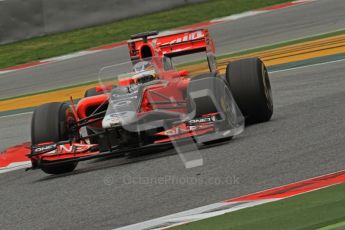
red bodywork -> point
(170, 45)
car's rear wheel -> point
(50, 123)
(92, 92)
(250, 86)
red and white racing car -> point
(147, 104)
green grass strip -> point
(312, 210)
(334, 226)
(63, 43)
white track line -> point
(307, 66)
(237, 16)
(195, 214)
(71, 55)
(15, 115)
(15, 166)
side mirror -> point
(125, 82)
(183, 73)
(101, 88)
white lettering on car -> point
(185, 38)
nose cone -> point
(120, 118)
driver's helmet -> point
(142, 66)
(144, 72)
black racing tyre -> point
(50, 122)
(92, 92)
(250, 86)
(89, 93)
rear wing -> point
(170, 45)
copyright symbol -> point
(108, 180)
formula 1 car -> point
(148, 104)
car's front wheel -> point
(50, 123)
